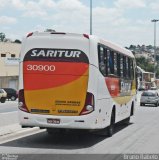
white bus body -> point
(67, 81)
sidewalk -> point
(13, 132)
(8, 129)
(8, 118)
(9, 123)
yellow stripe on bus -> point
(65, 100)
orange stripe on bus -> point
(64, 72)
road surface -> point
(141, 136)
(9, 106)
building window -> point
(3, 55)
(12, 55)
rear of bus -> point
(54, 77)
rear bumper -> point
(148, 102)
(67, 122)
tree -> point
(144, 64)
(149, 47)
(2, 37)
(133, 47)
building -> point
(9, 64)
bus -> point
(75, 81)
(146, 80)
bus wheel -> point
(112, 123)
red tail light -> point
(22, 106)
(89, 104)
(86, 36)
(29, 34)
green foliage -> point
(2, 37)
(157, 72)
(146, 65)
(132, 47)
(157, 57)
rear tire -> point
(156, 104)
(13, 98)
(3, 99)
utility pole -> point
(90, 17)
(154, 21)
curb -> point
(4, 130)
(18, 132)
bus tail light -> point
(29, 34)
(89, 104)
(86, 36)
(22, 106)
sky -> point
(124, 22)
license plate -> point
(53, 121)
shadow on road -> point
(149, 105)
(68, 140)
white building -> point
(9, 64)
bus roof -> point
(36, 33)
(107, 43)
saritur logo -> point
(55, 53)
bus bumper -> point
(89, 121)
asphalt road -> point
(139, 137)
(9, 106)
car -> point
(3, 95)
(149, 97)
(12, 94)
(141, 88)
(153, 88)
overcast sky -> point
(122, 21)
